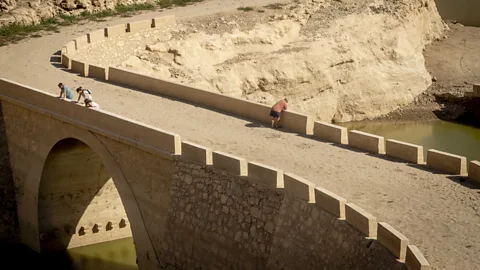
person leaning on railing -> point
(276, 111)
(65, 92)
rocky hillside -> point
(28, 12)
(338, 60)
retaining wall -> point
(297, 122)
(447, 162)
(405, 151)
(474, 171)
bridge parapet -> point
(230, 213)
(294, 121)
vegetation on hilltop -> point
(15, 32)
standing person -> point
(64, 91)
(276, 111)
(85, 93)
(91, 104)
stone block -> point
(97, 72)
(361, 220)
(476, 90)
(366, 141)
(66, 62)
(266, 175)
(446, 162)
(196, 153)
(230, 163)
(301, 123)
(330, 132)
(299, 187)
(81, 42)
(330, 202)
(415, 260)
(405, 151)
(163, 21)
(97, 35)
(139, 26)
(392, 240)
(474, 171)
(80, 67)
(70, 47)
(116, 30)
(469, 94)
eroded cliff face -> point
(337, 60)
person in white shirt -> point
(85, 93)
(91, 104)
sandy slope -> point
(440, 216)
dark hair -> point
(286, 100)
(60, 84)
(79, 89)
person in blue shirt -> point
(64, 91)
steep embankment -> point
(340, 61)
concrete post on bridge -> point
(476, 90)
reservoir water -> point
(440, 135)
(119, 254)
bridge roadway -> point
(440, 216)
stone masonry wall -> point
(309, 236)
(222, 221)
(8, 206)
(218, 221)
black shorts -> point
(274, 114)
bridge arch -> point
(51, 141)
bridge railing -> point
(102, 122)
(272, 178)
(294, 121)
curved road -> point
(439, 215)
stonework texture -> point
(221, 221)
(8, 206)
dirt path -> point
(439, 215)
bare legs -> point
(275, 122)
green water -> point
(118, 254)
(440, 135)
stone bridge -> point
(73, 176)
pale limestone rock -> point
(343, 74)
(6, 5)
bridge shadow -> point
(459, 179)
(73, 176)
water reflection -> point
(118, 254)
(441, 135)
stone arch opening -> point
(78, 202)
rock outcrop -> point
(360, 65)
(337, 60)
(32, 12)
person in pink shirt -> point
(276, 111)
